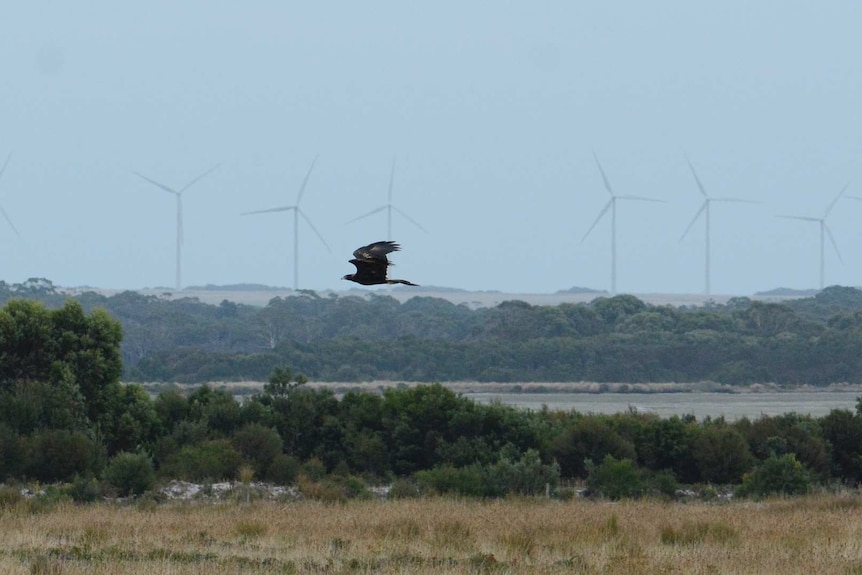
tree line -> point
(65, 416)
(808, 341)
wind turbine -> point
(297, 211)
(824, 231)
(389, 208)
(2, 211)
(612, 206)
(179, 195)
(704, 209)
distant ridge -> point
(782, 291)
(235, 287)
(577, 289)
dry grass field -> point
(819, 534)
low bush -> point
(445, 479)
(208, 461)
(776, 475)
(526, 475)
(614, 478)
(283, 470)
(60, 455)
(130, 473)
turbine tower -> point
(612, 206)
(704, 209)
(297, 211)
(389, 207)
(2, 211)
(179, 196)
(824, 231)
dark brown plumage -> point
(371, 263)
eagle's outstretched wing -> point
(376, 251)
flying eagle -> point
(371, 263)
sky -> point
(494, 113)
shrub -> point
(314, 469)
(283, 470)
(258, 444)
(320, 490)
(592, 437)
(84, 489)
(525, 476)
(664, 482)
(9, 497)
(13, 453)
(59, 455)
(776, 475)
(722, 454)
(211, 460)
(615, 479)
(403, 489)
(355, 488)
(130, 473)
(445, 479)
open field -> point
(817, 534)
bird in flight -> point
(371, 263)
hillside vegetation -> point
(65, 417)
(808, 341)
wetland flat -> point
(700, 404)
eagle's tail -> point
(405, 282)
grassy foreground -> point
(817, 534)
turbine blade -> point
(604, 177)
(641, 198)
(835, 201)
(735, 200)
(2, 211)
(199, 178)
(411, 220)
(804, 218)
(6, 163)
(308, 221)
(305, 181)
(9, 221)
(180, 219)
(696, 179)
(599, 217)
(155, 183)
(854, 198)
(391, 179)
(834, 243)
(694, 219)
(282, 209)
(371, 213)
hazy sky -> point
(493, 110)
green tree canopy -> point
(76, 355)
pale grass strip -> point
(818, 534)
